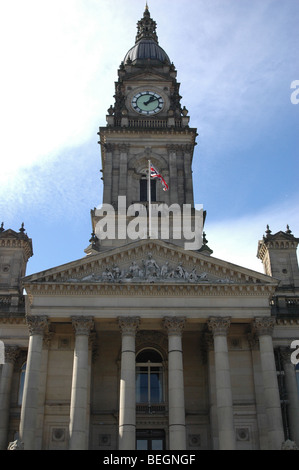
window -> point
(21, 384)
(144, 190)
(150, 439)
(149, 377)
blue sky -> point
(236, 60)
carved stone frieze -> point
(149, 270)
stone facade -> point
(143, 344)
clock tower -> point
(147, 122)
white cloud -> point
(51, 57)
(236, 240)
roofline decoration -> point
(11, 239)
(277, 241)
(181, 271)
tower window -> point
(144, 191)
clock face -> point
(147, 102)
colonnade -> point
(79, 413)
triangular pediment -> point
(149, 262)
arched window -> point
(149, 377)
(21, 384)
(144, 189)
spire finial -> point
(146, 27)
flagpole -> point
(149, 200)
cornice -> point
(148, 130)
(148, 289)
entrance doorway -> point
(150, 439)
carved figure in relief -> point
(193, 276)
(151, 267)
(134, 270)
(165, 270)
(107, 275)
(116, 272)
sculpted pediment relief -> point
(147, 262)
(149, 270)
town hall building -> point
(144, 344)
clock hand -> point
(152, 98)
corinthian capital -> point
(219, 325)
(174, 325)
(264, 326)
(129, 325)
(37, 325)
(11, 353)
(82, 325)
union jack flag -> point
(156, 174)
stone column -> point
(219, 327)
(292, 393)
(127, 398)
(176, 400)
(79, 396)
(264, 328)
(11, 353)
(42, 390)
(37, 326)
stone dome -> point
(147, 49)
